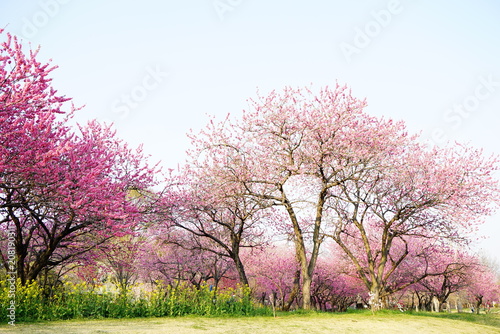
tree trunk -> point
(307, 266)
(435, 304)
(479, 301)
(300, 252)
(306, 292)
(375, 298)
(294, 292)
(241, 270)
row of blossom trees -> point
(273, 273)
(369, 209)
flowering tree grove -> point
(309, 168)
(338, 172)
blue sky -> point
(157, 68)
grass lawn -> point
(360, 322)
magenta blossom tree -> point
(62, 192)
(333, 289)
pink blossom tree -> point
(407, 198)
(215, 211)
(448, 275)
(120, 256)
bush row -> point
(73, 301)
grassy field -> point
(365, 322)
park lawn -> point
(286, 324)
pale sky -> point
(157, 68)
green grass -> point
(285, 323)
(189, 310)
(492, 319)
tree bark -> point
(241, 270)
(294, 292)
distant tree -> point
(273, 272)
(332, 289)
(120, 256)
(483, 285)
(449, 273)
(173, 264)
